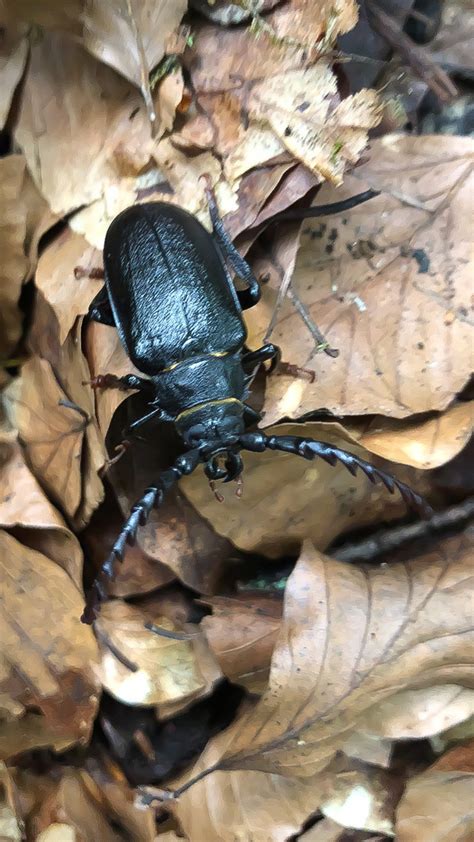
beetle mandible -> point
(170, 295)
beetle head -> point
(213, 426)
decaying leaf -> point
(25, 507)
(15, 264)
(287, 499)
(52, 430)
(410, 625)
(11, 825)
(62, 276)
(142, 668)
(437, 807)
(13, 55)
(242, 633)
(388, 283)
(47, 689)
(291, 102)
(73, 160)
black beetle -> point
(170, 295)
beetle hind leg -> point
(100, 309)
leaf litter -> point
(326, 669)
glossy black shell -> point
(170, 293)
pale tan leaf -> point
(231, 70)
(410, 627)
(24, 505)
(242, 633)
(46, 654)
(11, 825)
(287, 499)
(323, 137)
(458, 759)
(15, 264)
(74, 160)
(422, 444)
(361, 799)
(437, 807)
(69, 292)
(249, 806)
(131, 36)
(13, 55)
(51, 430)
(164, 670)
(57, 832)
(419, 713)
(388, 283)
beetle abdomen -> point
(170, 293)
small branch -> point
(420, 62)
(388, 540)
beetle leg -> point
(251, 416)
(153, 496)
(247, 297)
(100, 309)
(273, 353)
(157, 412)
(310, 449)
(254, 358)
(129, 381)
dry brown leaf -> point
(419, 713)
(458, 759)
(437, 807)
(325, 831)
(52, 430)
(68, 294)
(287, 499)
(389, 284)
(289, 105)
(249, 806)
(168, 671)
(57, 832)
(410, 627)
(13, 55)
(131, 35)
(24, 506)
(363, 799)
(452, 44)
(47, 654)
(73, 804)
(422, 444)
(11, 825)
(241, 631)
(73, 160)
(15, 264)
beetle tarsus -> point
(295, 371)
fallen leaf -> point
(25, 508)
(452, 43)
(73, 160)
(13, 55)
(437, 807)
(458, 759)
(131, 37)
(419, 713)
(287, 499)
(52, 430)
(48, 691)
(421, 443)
(164, 670)
(69, 293)
(380, 281)
(11, 825)
(72, 804)
(249, 806)
(15, 264)
(363, 799)
(242, 633)
(410, 625)
(57, 832)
